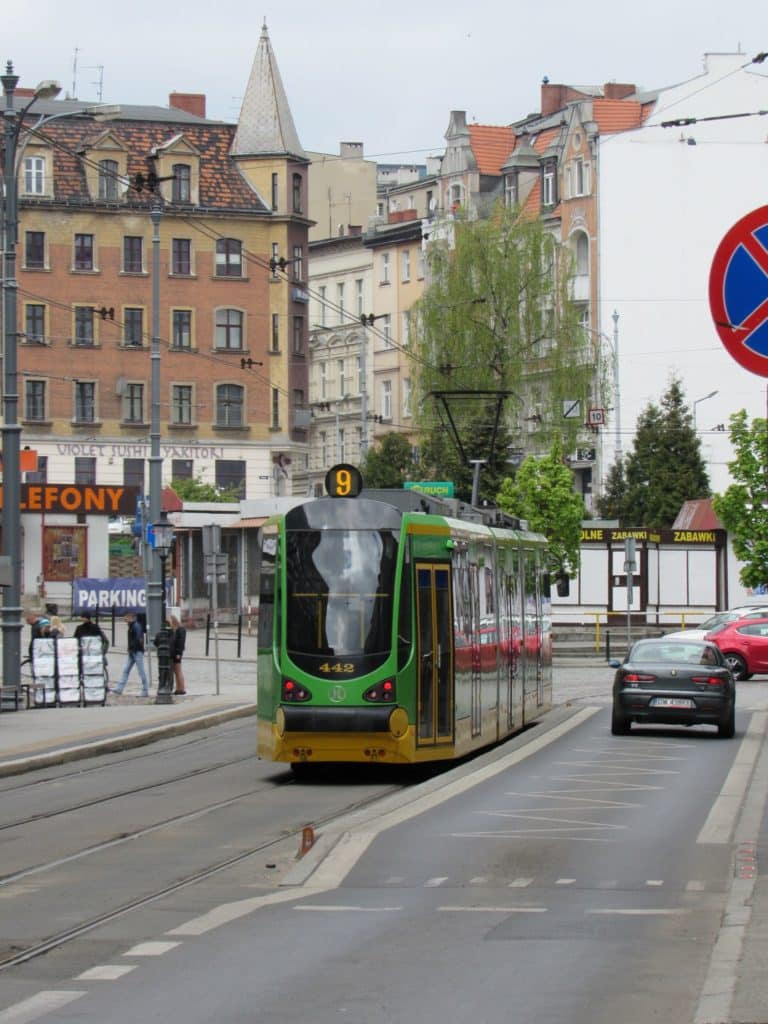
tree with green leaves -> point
(497, 323)
(664, 468)
(195, 489)
(542, 493)
(389, 462)
(743, 508)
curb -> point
(124, 741)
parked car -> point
(674, 682)
(744, 644)
(746, 611)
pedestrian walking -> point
(135, 656)
(178, 643)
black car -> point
(673, 682)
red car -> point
(744, 643)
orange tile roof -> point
(491, 145)
(697, 514)
(618, 115)
(544, 139)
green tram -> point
(390, 633)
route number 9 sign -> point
(343, 481)
(738, 291)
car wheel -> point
(620, 724)
(727, 730)
(737, 665)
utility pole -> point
(616, 385)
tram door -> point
(434, 609)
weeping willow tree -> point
(498, 318)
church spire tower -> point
(265, 126)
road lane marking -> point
(106, 972)
(432, 882)
(339, 907)
(695, 886)
(654, 881)
(520, 883)
(721, 821)
(228, 912)
(497, 910)
(640, 911)
(151, 948)
(565, 881)
(478, 880)
(37, 1006)
(559, 794)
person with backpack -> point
(39, 625)
(90, 628)
(135, 656)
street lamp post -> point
(704, 399)
(162, 532)
(11, 431)
(155, 584)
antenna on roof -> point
(74, 75)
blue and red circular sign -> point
(738, 291)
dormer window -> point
(549, 184)
(34, 175)
(108, 172)
(181, 189)
(510, 190)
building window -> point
(84, 325)
(323, 379)
(83, 252)
(133, 254)
(108, 172)
(35, 399)
(298, 335)
(275, 261)
(133, 473)
(298, 263)
(340, 301)
(510, 190)
(35, 324)
(384, 268)
(386, 330)
(340, 377)
(405, 264)
(85, 401)
(229, 405)
(133, 328)
(181, 404)
(230, 476)
(229, 257)
(34, 175)
(182, 469)
(406, 396)
(34, 250)
(548, 185)
(181, 256)
(406, 328)
(275, 409)
(181, 186)
(323, 303)
(323, 449)
(582, 254)
(274, 191)
(85, 470)
(40, 475)
(359, 307)
(421, 264)
(275, 332)
(297, 193)
(386, 399)
(133, 404)
(580, 177)
(229, 329)
(182, 328)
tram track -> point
(18, 956)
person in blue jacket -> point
(135, 656)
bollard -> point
(307, 840)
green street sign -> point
(437, 488)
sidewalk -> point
(38, 737)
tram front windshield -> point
(340, 598)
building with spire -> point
(231, 275)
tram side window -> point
(267, 570)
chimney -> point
(618, 90)
(191, 102)
(351, 150)
(553, 97)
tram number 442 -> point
(339, 667)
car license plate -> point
(671, 702)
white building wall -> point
(664, 207)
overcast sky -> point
(383, 74)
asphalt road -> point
(570, 876)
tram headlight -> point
(294, 693)
(381, 693)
